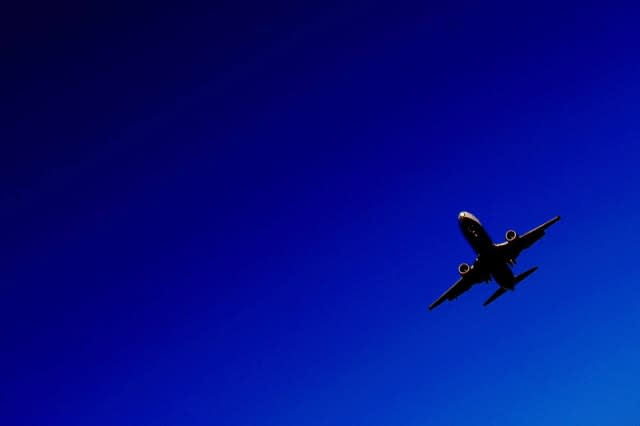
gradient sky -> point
(237, 214)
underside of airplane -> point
(493, 262)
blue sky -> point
(238, 214)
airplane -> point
(493, 261)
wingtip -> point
(551, 221)
(435, 305)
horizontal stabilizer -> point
(499, 292)
(525, 274)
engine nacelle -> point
(464, 268)
(511, 235)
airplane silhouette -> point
(493, 261)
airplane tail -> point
(524, 275)
(499, 292)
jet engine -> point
(511, 235)
(464, 268)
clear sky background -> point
(238, 214)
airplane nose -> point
(465, 216)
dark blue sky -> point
(238, 214)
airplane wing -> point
(512, 249)
(474, 276)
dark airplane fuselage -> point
(483, 245)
